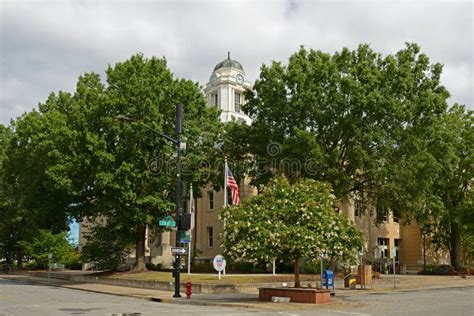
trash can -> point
(328, 279)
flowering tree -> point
(294, 221)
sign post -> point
(394, 254)
(362, 270)
(321, 277)
(219, 264)
(50, 256)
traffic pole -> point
(179, 130)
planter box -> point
(296, 295)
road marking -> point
(349, 313)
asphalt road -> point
(19, 298)
(443, 302)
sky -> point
(47, 45)
(74, 232)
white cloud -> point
(46, 45)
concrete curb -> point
(198, 288)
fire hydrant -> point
(189, 289)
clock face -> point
(239, 78)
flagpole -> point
(225, 183)
(191, 201)
(225, 193)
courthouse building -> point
(387, 238)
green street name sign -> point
(168, 222)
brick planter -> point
(296, 295)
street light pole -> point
(177, 142)
(177, 261)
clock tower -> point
(225, 90)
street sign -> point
(168, 221)
(178, 251)
(50, 255)
(184, 237)
(219, 263)
(393, 252)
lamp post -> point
(179, 131)
(177, 142)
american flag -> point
(234, 188)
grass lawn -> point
(207, 278)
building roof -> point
(229, 63)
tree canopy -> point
(377, 128)
(80, 159)
(337, 118)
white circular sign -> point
(219, 263)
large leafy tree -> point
(118, 170)
(375, 127)
(338, 117)
(295, 221)
(29, 202)
(430, 180)
(7, 241)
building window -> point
(210, 200)
(215, 99)
(237, 102)
(382, 241)
(210, 237)
(383, 247)
(396, 219)
(358, 208)
(397, 249)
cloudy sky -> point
(46, 45)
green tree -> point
(46, 243)
(116, 169)
(8, 246)
(29, 202)
(338, 118)
(431, 181)
(295, 221)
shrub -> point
(150, 266)
(443, 269)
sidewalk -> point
(250, 299)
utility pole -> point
(177, 261)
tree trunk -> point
(19, 259)
(454, 249)
(296, 267)
(140, 250)
(424, 251)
